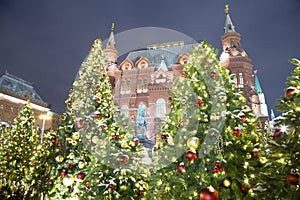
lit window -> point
(145, 88)
(231, 43)
(12, 109)
(128, 87)
(160, 107)
(124, 110)
(1, 107)
(123, 87)
(139, 87)
(241, 79)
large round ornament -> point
(191, 155)
(293, 179)
(68, 180)
(209, 194)
(123, 160)
(193, 143)
(289, 91)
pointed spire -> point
(256, 83)
(111, 44)
(163, 64)
(272, 115)
(228, 23)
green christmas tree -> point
(280, 175)
(209, 146)
(23, 164)
(97, 156)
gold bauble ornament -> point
(193, 143)
(76, 136)
(96, 140)
(68, 180)
(226, 182)
(59, 158)
(81, 165)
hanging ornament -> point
(193, 143)
(79, 123)
(123, 160)
(63, 173)
(116, 136)
(181, 167)
(76, 136)
(183, 75)
(199, 102)
(103, 126)
(236, 131)
(293, 179)
(136, 141)
(277, 133)
(68, 165)
(226, 182)
(68, 180)
(140, 192)
(164, 137)
(290, 91)
(207, 63)
(97, 114)
(244, 189)
(81, 164)
(80, 176)
(54, 141)
(59, 158)
(209, 194)
(218, 167)
(170, 98)
(242, 117)
(256, 152)
(213, 75)
(191, 155)
(111, 186)
(181, 123)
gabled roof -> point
(170, 54)
(19, 86)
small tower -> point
(263, 106)
(111, 56)
(236, 60)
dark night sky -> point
(45, 42)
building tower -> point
(111, 56)
(237, 61)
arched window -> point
(235, 80)
(160, 107)
(128, 89)
(139, 86)
(124, 110)
(145, 87)
(241, 79)
(123, 87)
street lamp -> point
(44, 117)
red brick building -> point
(146, 76)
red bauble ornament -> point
(54, 141)
(215, 170)
(97, 115)
(136, 141)
(218, 164)
(213, 75)
(80, 176)
(87, 186)
(209, 194)
(289, 91)
(111, 186)
(123, 160)
(79, 123)
(183, 75)
(47, 180)
(293, 179)
(256, 153)
(207, 63)
(140, 192)
(199, 102)
(63, 173)
(68, 165)
(92, 46)
(181, 123)
(243, 188)
(236, 132)
(181, 167)
(97, 86)
(277, 133)
(191, 155)
(164, 137)
(170, 98)
(243, 117)
(103, 126)
(116, 137)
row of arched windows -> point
(142, 86)
(240, 83)
(160, 105)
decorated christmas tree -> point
(209, 146)
(23, 164)
(280, 175)
(97, 157)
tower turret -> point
(236, 60)
(111, 55)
